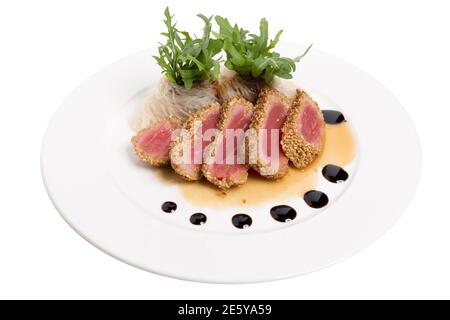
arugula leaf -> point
(186, 60)
(251, 55)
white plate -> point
(113, 201)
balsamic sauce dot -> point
(283, 213)
(169, 207)
(316, 199)
(241, 221)
(333, 116)
(198, 219)
(334, 173)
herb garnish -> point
(252, 55)
(186, 60)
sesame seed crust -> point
(176, 146)
(296, 148)
(227, 109)
(210, 153)
(227, 182)
(258, 122)
(144, 156)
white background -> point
(48, 47)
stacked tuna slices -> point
(222, 142)
(225, 162)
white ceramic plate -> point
(113, 201)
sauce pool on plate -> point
(339, 149)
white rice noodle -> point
(230, 85)
(169, 98)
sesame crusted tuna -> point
(266, 155)
(186, 152)
(224, 158)
(304, 131)
(152, 143)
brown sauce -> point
(339, 149)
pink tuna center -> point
(223, 171)
(274, 122)
(156, 141)
(235, 129)
(227, 164)
(237, 125)
(240, 118)
(311, 125)
(199, 145)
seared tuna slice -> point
(304, 131)
(224, 158)
(186, 152)
(266, 154)
(152, 143)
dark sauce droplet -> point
(198, 219)
(316, 199)
(169, 207)
(333, 116)
(283, 213)
(334, 173)
(241, 221)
